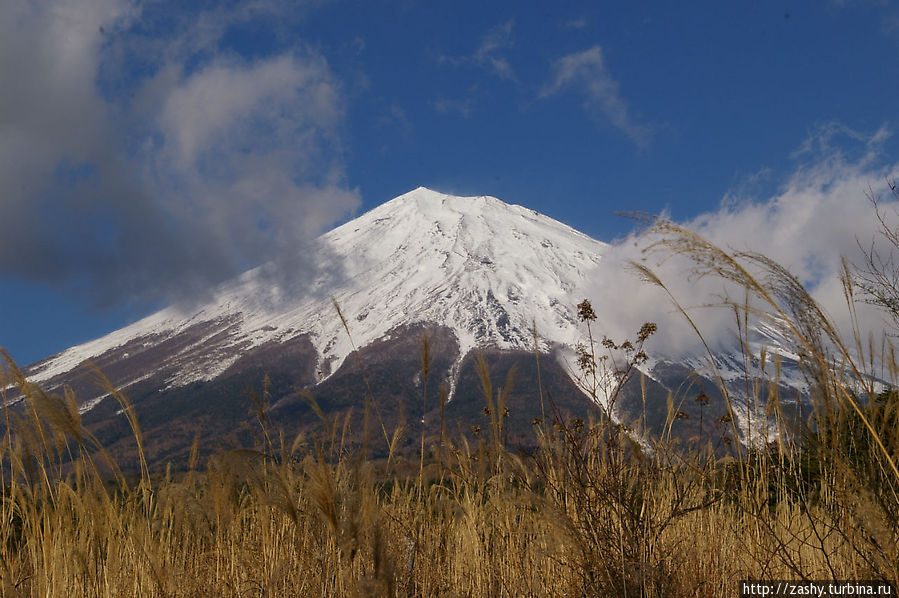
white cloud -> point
(586, 72)
(210, 105)
(578, 23)
(461, 106)
(397, 121)
(816, 218)
(145, 161)
(488, 56)
(243, 132)
(489, 51)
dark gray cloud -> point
(141, 160)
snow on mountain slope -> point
(486, 269)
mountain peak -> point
(425, 192)
(425, 198)
(436, 211)
(487, 270)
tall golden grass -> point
(598, 508)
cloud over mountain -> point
(169, 174)
(821, 214)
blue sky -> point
(152, 149)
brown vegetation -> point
(597, 508)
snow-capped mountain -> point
(487, 270)
(470, 273)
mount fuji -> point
(473, 274)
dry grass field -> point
(595, 509)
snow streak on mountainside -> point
(487, 270)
